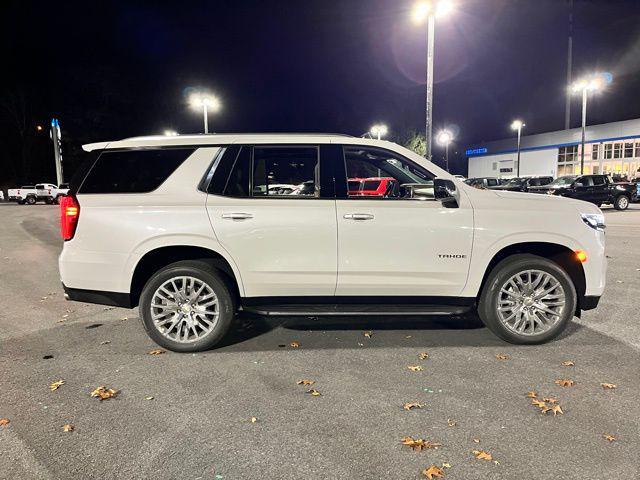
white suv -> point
(191, 230)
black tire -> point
(621, 202)
(501, 273)
(30, 200)
(20, 202)
(203, 271)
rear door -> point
(404, 243)
(284, 239)
(601, 191)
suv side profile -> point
(189, 230)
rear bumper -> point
(114, 299)
(589, 302)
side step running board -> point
(368, 309)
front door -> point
(269, 214)
(402, 242)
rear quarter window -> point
(132, 171)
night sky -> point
(122, 68)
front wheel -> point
(527, 300)
(621, 202)
(187, 306)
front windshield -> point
(562, 181)
(514, 182)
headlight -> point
(594, 220)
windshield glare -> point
(567, 180)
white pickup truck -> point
(42, 192)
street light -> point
(517, 125)
(592, 83)
(170, 133)
(379, 130)
(207, 103)
(429, 11)
(445, 137)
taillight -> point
(69, 214)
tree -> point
(416, 142)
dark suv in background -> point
(522, 184)
(597, 189)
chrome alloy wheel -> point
(184, 309)
(531, 302)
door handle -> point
(358, 216)
(237, 216)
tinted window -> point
(405, 179)
(492, 182)
(132, 171)
(285, 171)
(238, 183)
(585, 181)
(598, 180)
(534, 182)
(546, 180)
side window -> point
(281, 171)
(132, 171)
(378, 173)
(492, 182)
(546, 180)
(598, 180)
(534, 182)
(238, 183)
(586, 181)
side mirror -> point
(445, 191)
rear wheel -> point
(527, 300)
(621, 202)
(187, 306)
(30, 200)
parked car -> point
(522, 184)
(483, 182)
(174, 226)
(597, 189)
(41, 192)
(1, 195)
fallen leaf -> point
(124, 319)
(294, 344)
(446, 465)
(305, 382)
(313, 392)
(451, 423)
(106, 342)
(254, 419)
(56, 385)
(148, 398)
(476, 440)
(565, 383)
(555, 409)
(501, 356)
(611, 438)
(412, 405)
(156, 351)
(538, 403)
(482, 455)
(550, 400)
(609, 386)
(367, 334)
(415, 368)
(104, 393)
(4, 421)
(432, 472)
(423, 355)
(568, 363)
(419, 444)
(67, 427)
(532, 394)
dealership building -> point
(610, 148)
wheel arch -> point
(157, 258)
(560, 254)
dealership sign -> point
(476, 151)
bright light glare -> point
(444, 8)
(517, 125)
(200, 100)
(445, 137)
(379, 130)
(420, 11)
(592, 83)
(170, 133)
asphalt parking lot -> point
(190, 415)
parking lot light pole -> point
(517, 125)
(444, 138)
(430, 10)
(207, 103)
(593, 83)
